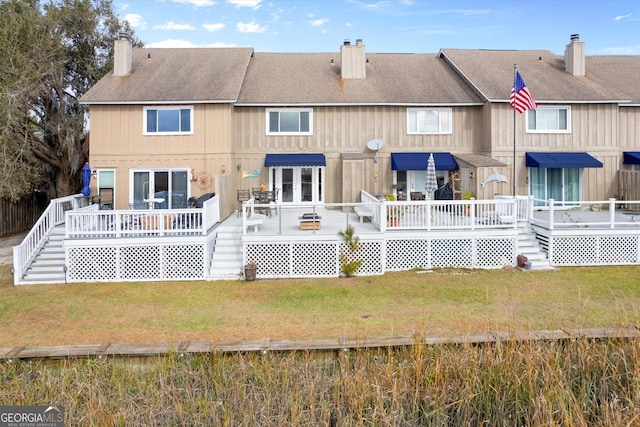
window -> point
(549, 120)
(168, 120)
(289, 122)
(168, 186)
(432, 120)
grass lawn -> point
(440, 302)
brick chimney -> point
(352, 60)
(574, 56)
(122, 56)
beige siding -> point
(629, 128)
(117, 142)
(348, 129)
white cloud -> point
(173, 26)
(621, 17)
(124, 6)
(135, 21)
(253, 4)
(250, 27)
(171, 43)
(319, 22)
(213, 27)
(197, 3)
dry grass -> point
(574, 383)
(439, 302)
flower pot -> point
(250, 273)
(521, 259)
(394, 222)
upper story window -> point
(289, 121)
(429, 120)
(168, 120)
(549, 120)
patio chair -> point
(243, 196)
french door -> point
(298, 184)
(169, 185)
(560, 184)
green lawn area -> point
(439, 302)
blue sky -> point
(607, 27)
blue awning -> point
(418, 161)
(562, 160)
(631, 158)
(294, 160)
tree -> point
(52, 54)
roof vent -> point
(358, 42)
(347, 42)
(575, 37)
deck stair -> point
(48, 265)
(529, 246)
(226, 262)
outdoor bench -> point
(362, 212)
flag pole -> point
(513, 178)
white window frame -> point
(166, 108)
(288, 110)
(556, 108)
(445, 117)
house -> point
(333, 131)
(183, 122)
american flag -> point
(520, 98)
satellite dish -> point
(375, 144)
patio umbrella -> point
(86, 180)
(431, 183)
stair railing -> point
(54, 215)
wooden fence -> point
(629, 188)
(18, 217)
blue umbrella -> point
(431, 182)
(86, 180)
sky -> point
(607, 27)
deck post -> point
(612, 212)
(552, 204)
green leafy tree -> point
(51, 55)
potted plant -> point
(522, 260)
(468, 195)
(250, 270)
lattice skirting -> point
(136, 262)
(322, 258)
(594, 250)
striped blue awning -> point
(418, 161)
(562, 160)
(294, 160)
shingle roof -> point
(312, 78)
(491, 71)
(166, 75)
(620, 72)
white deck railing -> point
(142, 222)
(54, 215)
(594, 214)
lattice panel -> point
(407, 254)
(314, 260)
(451, 253)
(140, 262)
(619, 250)
(372, 251)
(575, 250)
(272, 258)
(91, 264)
(183, 261)
(494, 253)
